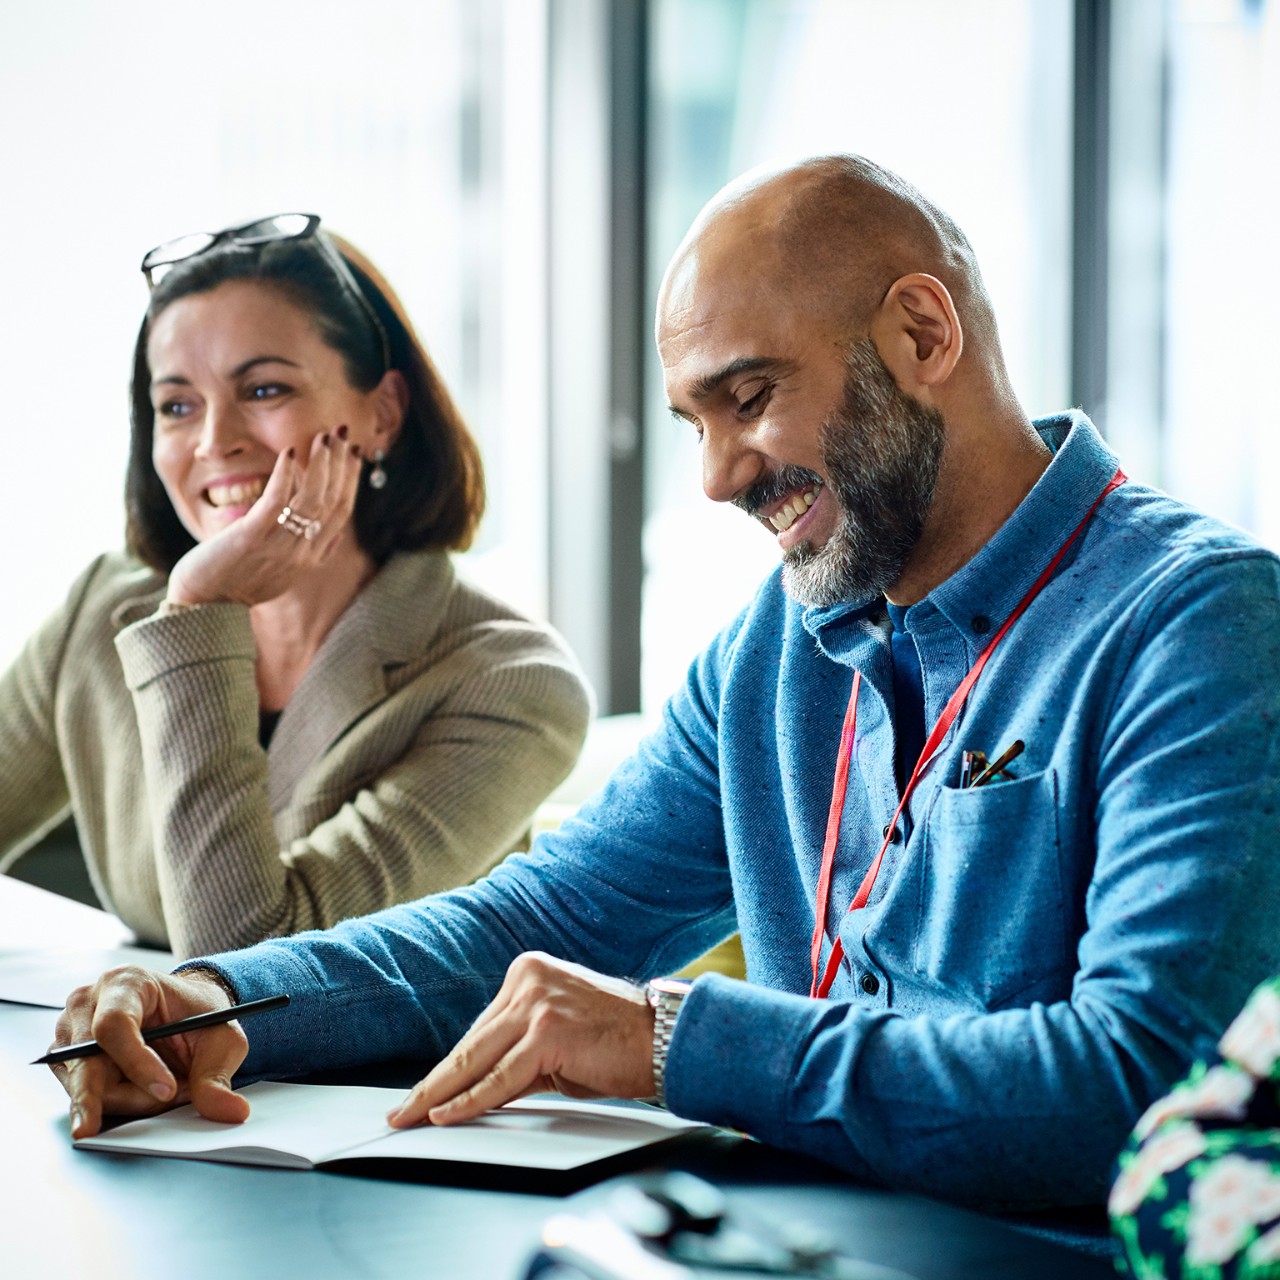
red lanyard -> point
(819, 988)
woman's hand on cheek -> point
(292, 528)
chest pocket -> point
(992, 913)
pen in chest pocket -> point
(1011, 752)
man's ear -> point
(391, 403)
(917, 332)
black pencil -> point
(90, 1048)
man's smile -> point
(793, 508)
(784, 502)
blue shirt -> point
(1038, 961)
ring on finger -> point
(297, 524)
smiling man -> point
(985, 775)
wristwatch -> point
(665, 996)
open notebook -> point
(311, 1126)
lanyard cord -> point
(819, 988)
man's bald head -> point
(835, 231)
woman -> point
(281, 708)
(1197, 1196)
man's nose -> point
(730, 463)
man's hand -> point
(132, 1078)
(553, 1027)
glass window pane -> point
(1221, 446)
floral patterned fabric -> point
(1197, 1192)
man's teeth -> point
(235, 495)
(788, 514)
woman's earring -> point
(378, 476)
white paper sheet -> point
(300, 1126)
(47, 977)
(49, 945)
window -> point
(1220, 436)
(471, 148)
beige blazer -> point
(430, 725)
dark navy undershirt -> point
(267, 721)
(908, 695)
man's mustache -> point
(772, 489)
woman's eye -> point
(172, 409)
(267, 390)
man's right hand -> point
(132, 1078)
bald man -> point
(986, 774)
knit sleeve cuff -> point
(286, 1041)
(733, 1054)
(162, 643)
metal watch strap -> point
(666, 996)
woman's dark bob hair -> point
(434, 494)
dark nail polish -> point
(342, 432)
(291, 452)
(324, 439)
(355, 450)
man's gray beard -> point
(881, 450)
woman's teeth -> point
(791, 511)
(243, 494)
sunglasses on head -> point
(279, 226)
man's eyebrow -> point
(709, 383)
(704, 387)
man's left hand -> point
(554, 1027)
